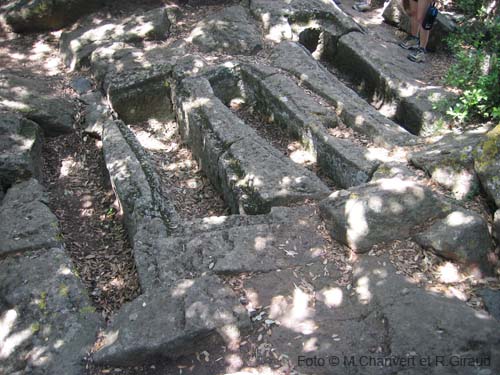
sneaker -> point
(411, 42)
(362, 6)
(418, 55)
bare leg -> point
(422, 7)
(413, 18)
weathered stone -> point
(450, 163)
(81, 85)
(232, 250)
(96, 113)
(204, 2)
(27, 223)
(491, 299)
(353, 110)
(134, 180)
(168, 323)
(380, 211)
(136, 80)
(20, 149)
(284, 20)
(487, 164)
(383, 75)
(49, 324)
(77, 45)
(42, 15)
(231, 30)
(36, 101)
(462, 236)
(391, 170)
(252, 175)
(395, 14)
(496, 225)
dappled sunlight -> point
(363, 290)
(297, 315)
(356, 219)
(458, 218)
(262, 242)
(331, 297)
(182, 288)
(449, 273)
(9, 340)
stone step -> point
(232, 245)
(252, 175)
(48, 323)
(169, 323)
(353, 110)
(27, 222)
(20, 149)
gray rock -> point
(42, 15)
(487, 164)
(193, 313)
(231, 30)
(27, 223)
(491, 299)
(235, 250)
(96, 113)
(450, 163)
(252, 175)
(395, 14)
(51, 325)
(81, 85)
(380, 211)
(462, 236)
(383, 75)
(20, 149)
(134, 180)
(36, 101)
(352, 109)
(496, 226)
(77, 45)
(204, 2)
(136, 81)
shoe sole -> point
(407, 48)
(412, 59)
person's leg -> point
(422, 7)
(418, 55)
(413, 18)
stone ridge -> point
(235, 158)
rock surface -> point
(77, 45)
(487, 164)
(27, 223)
(49, 324)
(36, 101)
(20, 149)
(193, 313)
(496, 225)
(42, 15)
(462, 236)
(450, 163)
(384, 310)
(230, 31)
(384, 210)
(232, 250)
(491, 299)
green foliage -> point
(476, 72)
